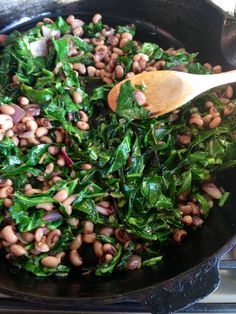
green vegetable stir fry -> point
(78, 180)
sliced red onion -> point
(39, 48)
(179, 68)
(68, 160)
(105, 210)
(19, 113)
(3, 37)
(134, 262)
(71, 116)
(33, 109)
(197, 221)
(48, 32)
(52, 216)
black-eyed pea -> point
(78, 31)
(118, 51)
(123, 42)
(88, 226)
(136, 67)
(107, 258)
(6, 191)
(24, 101)
(208, 66)
(28, 236)
(83, 126)
(98, 42)
(91, 71)
(184, 139)
(9, 234)
(150, 68)
(100, 65)
(40, 232)
(76, 243)
(7, 109)
(5, 182)
(98, 248)
(41, 131)
(48, 20)
(127, 35)
(83, 116)
(76, 23)
(75, 258)
(187, 220)
(6, 122)
(70, 19)
(53, 150)
(32, 125)
(207, 119)
(15, 80)
(73, 174)
(53, 237)
(42, 245)
(69, 200)
(217, 69)
(5, 243)
(60, 256)
(61, 196)
(89, 237)
(119, 71)
(121, 235)
(179, 235)
(229, 91)
(196, 120)
(17, 250)
(9, 133)
(77, 98)
(61, 161)
(140, 97)
(96, 18)
(46, 139)
(215, 123)
(229, 109)
(130, 74)
(15, 140)
(72, 221)
(109, 249)
(7, 202)
(56, 178)
(107, 231)
(59, 136)
(50, 261)
(86, 167)
(185, 209)
(107, 80)
(49, 168)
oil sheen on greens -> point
(137, 163)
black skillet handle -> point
(183, 290)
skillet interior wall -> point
(196, 25)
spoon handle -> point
(219, 79)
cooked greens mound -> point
(79, 180)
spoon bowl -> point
(167, 90)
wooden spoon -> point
(169, 90)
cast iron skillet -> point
(190, 271)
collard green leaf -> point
(127, 105)
(121, 153)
